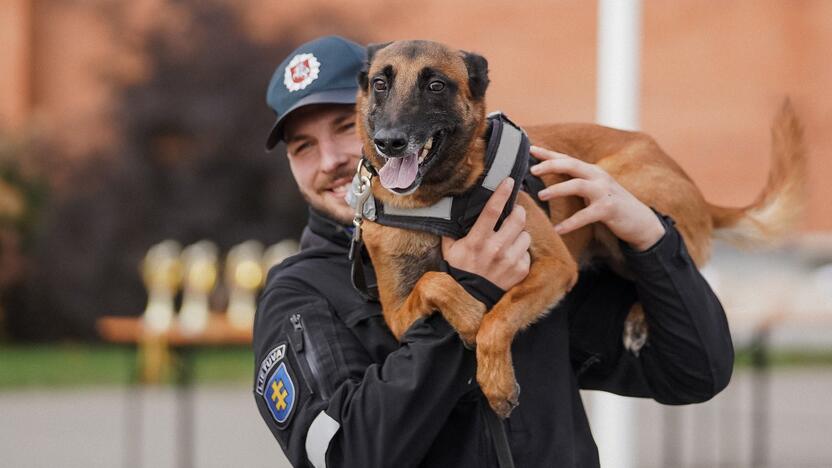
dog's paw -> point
(495, 374)
(635, 330)
(504, 406)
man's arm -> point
(348, 411)
(688, 356)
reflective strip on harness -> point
(440, 209)
(320, 434)
(505, 159)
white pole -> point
(619, 43)
(619, 49)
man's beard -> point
(343, 215)
(327, 210)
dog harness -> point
(506, 155)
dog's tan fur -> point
(633, 159)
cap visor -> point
(335, 96)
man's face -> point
(323, 152)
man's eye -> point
(347, 127)
(379, 85)
(300, 149)
(436, 86)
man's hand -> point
(501, 257)
(608, 202)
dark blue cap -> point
(323, 71)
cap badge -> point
(301, 70)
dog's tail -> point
(780, 205)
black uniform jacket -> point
(337, 390)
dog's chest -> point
(403, 254)
(409, 268)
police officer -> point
(337, 390)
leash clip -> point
(361, 191)
(359, 196)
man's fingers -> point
(545, 154)
(572, 187)
(511, 227)
(521, 244)
(571, 166)
(578, 220)
(484, 225)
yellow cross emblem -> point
(279, 394)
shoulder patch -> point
(273, 357)
(280, 394)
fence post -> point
(760, 391)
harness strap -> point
(440, 209)
(508, 152)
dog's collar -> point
(506, 155)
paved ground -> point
(73, 428)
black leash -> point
(358, 274)
(498, 436)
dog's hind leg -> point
(553, 272)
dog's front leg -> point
(400, 257)
(437, 291)
(552, 274)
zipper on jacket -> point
(303, 347)
(589, 362)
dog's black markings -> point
(417, 265)
(507, 155)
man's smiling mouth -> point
(340, 187)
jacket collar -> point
(321, 229)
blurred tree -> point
(190, 166)
(22, 196)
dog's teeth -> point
(423, 155)
(429, 144)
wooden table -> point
(131, 331)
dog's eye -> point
(436, 86)
(379, 85)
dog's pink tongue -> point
(399, 172)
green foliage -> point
(20, 173)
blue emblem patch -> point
(280, 394)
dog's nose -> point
(390, 142)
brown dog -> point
(421, 116)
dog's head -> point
(421, 116)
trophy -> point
(199, 262)
(244, 276)
(276, 253)
(161, 272)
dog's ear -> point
(477, 73)
(372, 49)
